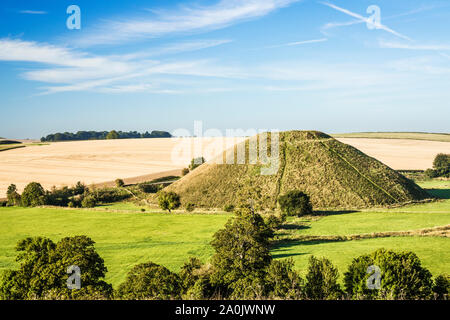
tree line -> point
(101, 135)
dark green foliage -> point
(149, 188)
(295, 203)
(196, 162)
(402, 276)
(112, 135)
(184, 172)
(190, 207)
(430, 173)
(228, 208)
(274, 221)
(107, 195)
(242, 250)
(441, 165)
(119, 183)
(43, 270)
(441, 287)
(88, 201)
(9, 142)
(168, 200)
(13, 196)
(195, 280)
(282, 281)
(150, 281)
(322, 280)
(33, 195)
(100, 135)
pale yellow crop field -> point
(98, 161)
(400, 154)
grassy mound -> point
(333, 174)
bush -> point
(295, 203)
(441, 165)
(282, 282)
(441, 286)
(119, 183)
(430, 173)
(149, 188)
(190, 207)
(322, 280)
(150, 281)
(13, 196)
(184, 172)
(168, 200)
(33, 195)
(43, 270)
(107, 195)
(402, 276)
(196, 162)
(112, 135)
(228, 208)
(88, 201)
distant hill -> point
(333, 174)
(101, 135)
(443, 137)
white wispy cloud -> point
(32, 12)
(297, 43)
(72, 70)
(412, 46)
(365, 19)
(187, 19)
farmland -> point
(65, 163)
(125, 236)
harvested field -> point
(98, 161)
(400, 154)
(65, 163)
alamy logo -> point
(374, 280)
(74, 280)
(74, 20)
(374, 21)
(258, 147)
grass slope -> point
(443, 137)
(333, 174)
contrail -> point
(367, 20)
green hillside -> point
(333, 174)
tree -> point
(196, 162)
(295, 203)
(184, 172)
(168, 200)
(441, 165)
(322, 280)
(89, 201)
(112, 135)
(282, 282)
(441, 286)
(12, 195)
(242, 249)
(33, 195)
(402, 276)
(43, 270)
(150, 281)
(119, 183)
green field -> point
(125, 236)
(443, 137)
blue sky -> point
(262, 64)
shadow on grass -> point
(332, 213)
(293, 227)
(439, 193)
